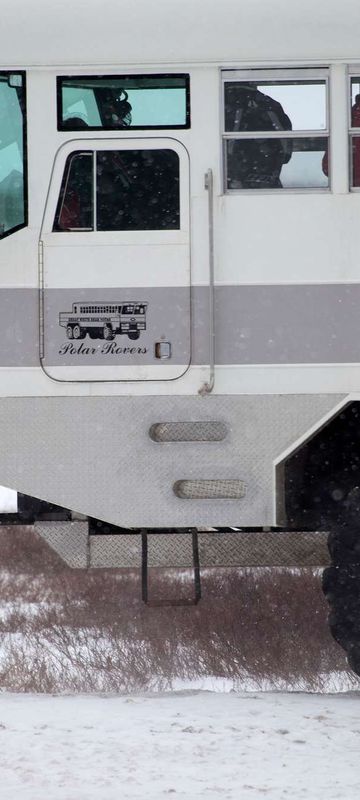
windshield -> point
(130, 308)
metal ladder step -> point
(145, 541)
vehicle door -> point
(115, 261)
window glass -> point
(75, 207)
(303, 103)
(130, 308)
(355, 161)
(355, 102)
(13, 201)
(115, 102)
(137, 190)
(286, 110)
(265, 163)
(355, 140)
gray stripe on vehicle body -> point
(19, 327)
(167, 319)
(293, 324)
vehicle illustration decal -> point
(104, 320)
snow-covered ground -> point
(250, 731)
(186, 744)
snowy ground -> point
(187, 744)
(207, 737)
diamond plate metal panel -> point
(188, 431)
(170, 551)
(115, 551)
(210, 490)
(68, 539)
(215, 550)
(263, 549)
(94, 454)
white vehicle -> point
(204, 158)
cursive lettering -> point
(107, 348)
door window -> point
(75, 209)
(129, 190)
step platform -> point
(72, 542)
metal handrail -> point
(208, 386)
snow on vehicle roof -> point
(124, 32)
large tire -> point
(344, 546)
(69, 332)
(77, 332)
(108, 333)
(134, 335)
(341, 586)
(354, 658)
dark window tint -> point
(355, 161)
(128, 101)
(75, 207)
(13, 188)
(137, 190)
(129, 308)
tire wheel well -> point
(322, 478)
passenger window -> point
(355, 132)
(128, 101)
(275, 132)
(135, 190)
(13, 183)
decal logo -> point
(103, 320)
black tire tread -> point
(341, 587)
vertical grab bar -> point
(208, 386)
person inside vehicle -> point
(355, 123)
(114, 108)
(255, 163)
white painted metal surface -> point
(286, 262)
(177, 31)
(289, 238)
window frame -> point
(301, 74)
(90, 129)
(8, 72)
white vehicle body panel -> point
(287, 272)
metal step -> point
(236, 549)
